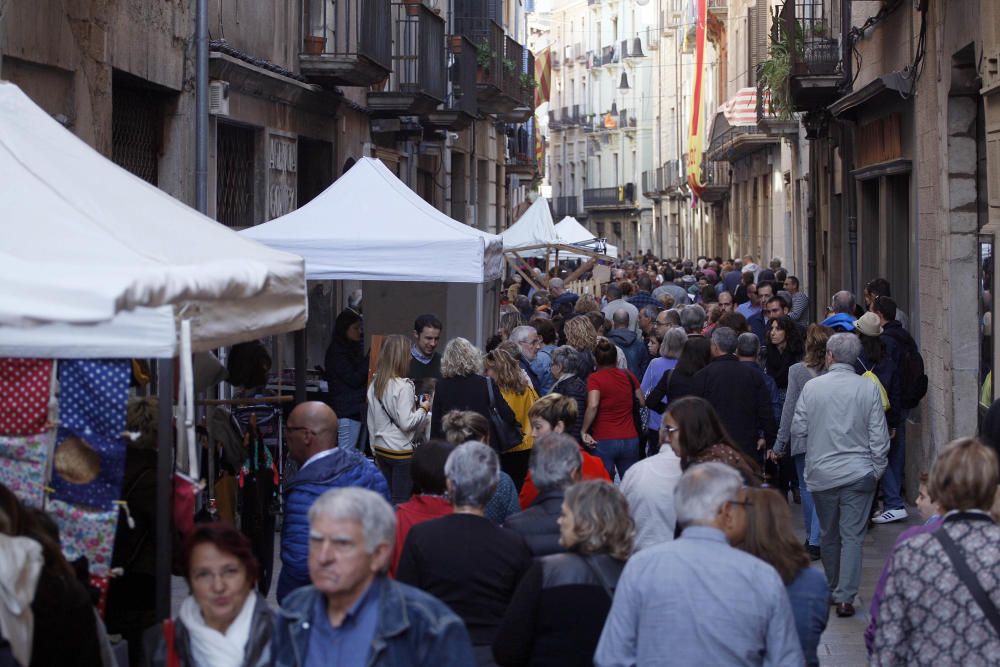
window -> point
(136, 130)
(236, 164)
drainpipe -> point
(847, 158)
(201, 107)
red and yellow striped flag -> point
(543, 75)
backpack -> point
(911, 368)
(883, 394)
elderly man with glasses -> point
(353, 614)
(312, 445)
(703, 576)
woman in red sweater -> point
(553, 413)
(609, 423)
(428, 500)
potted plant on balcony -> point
(314, 45)
(484, 60)
(528, 82)
(412, 6)
(509, 66)
(773, 74)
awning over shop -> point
(96, 262)
(886, 88)
(735, 133)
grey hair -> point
(693, 318)
(702, 491)
(844, 347)
(474, 472)
(520, 334)
(567, 358)
(556, 283)
(367, 508)
(747, 345)
(461, 358)
(650, 311)
(555, 462)
(725, 339)
(620, 318)
(843, 302)
(673, 343)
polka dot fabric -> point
(93, 394)
(24, 395)
(106, 487)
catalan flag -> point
(543, 76)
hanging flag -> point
(539, 153)
(543, 75)
(696, 138)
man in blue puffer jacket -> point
(312, 444)
(842, 318)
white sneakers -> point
(889, 516)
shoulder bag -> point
(968, 577)
(508, 435)
(639, 413)
(413, 441)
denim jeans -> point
(620, 454)
(397, 475)
(892, 480)
(347, 433)
(808, 506)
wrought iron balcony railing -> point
(346, 42)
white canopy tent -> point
(571, 231)
(370, 226)
(96, 262)
(531, 230)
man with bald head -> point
(311, 436)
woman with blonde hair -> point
(811, 365)
(518, 393)
(582, 336)
(464, 387)
(598, 534)
(397, 419)
(462, 427)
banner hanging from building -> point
(696, 138)
(543, 75)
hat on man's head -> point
(869, 324)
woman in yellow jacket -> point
(516, 389)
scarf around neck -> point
(210, 647)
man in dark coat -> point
(739, 394)
(555, 465)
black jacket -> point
(538, 524)
(739, 393)
(467, 392)
(558, 611)
(347, 375)
(574, 387)
(673, 384)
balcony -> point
(626, 122)
(578, 53)
(563, 206)
(513, 66)
(813, 52)
(718, 8)
(674, 179)
(521, 151)
(460, 107)
(346, 42)
(609, 55)
(489, 38)
(621, 197)
(419, 79)
(716, 178)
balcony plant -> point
(528, 81)
(484, 60)
(774, 73)
(509, 66)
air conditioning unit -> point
(218, 98)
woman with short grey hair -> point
(670, 352)
(463, 559)
(565, 366)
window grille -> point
(235, 179)
(136, 129)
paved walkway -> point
(843, 643)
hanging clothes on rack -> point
(258, 502)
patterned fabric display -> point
(87, 533)
(23, 461)
(93, 394)
(24, 395)
(87, 469)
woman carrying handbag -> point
(397, 418)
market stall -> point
(101, 267)
(370, 226)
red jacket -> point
(415, 510)
(593, 468)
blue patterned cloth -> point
(105, 488)
(93, 395)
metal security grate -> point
(136, 127)
(235, 188)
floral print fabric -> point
(85, 532)
(23, 462)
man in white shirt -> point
(649, 488)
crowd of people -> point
(609, 482)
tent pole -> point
(300, 366)
(164, 479)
